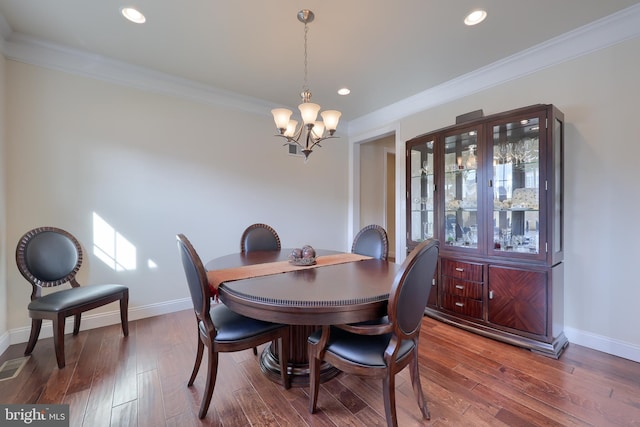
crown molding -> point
(600, 34)
(597, 35)
(34, 51)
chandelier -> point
(310, 132)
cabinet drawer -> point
(465, 306)
(462, 270)
(462, 288)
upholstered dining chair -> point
(372, 241)
(222, 330)
(259, 237)
(382, 350)
(48, 257)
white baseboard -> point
(604, 344)
(92, 321)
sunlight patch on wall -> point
(151, 264)
(111, 247)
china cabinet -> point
(490, 189)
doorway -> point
(378, 186)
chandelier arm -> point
(293, 139)
(317, 141)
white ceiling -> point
(383, 50)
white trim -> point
(607, 345)
(30, 50)
(599, 34)
(385, 191)
(92, 321)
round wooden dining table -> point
(306, 299)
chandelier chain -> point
(305, 86)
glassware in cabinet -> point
(421, 217)
(461, 189)
(516, 186)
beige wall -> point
(599, 95)
(153, 166)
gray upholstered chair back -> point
(371, 241)
(48, 256)
(259, 237)
(196, 277)
(410, 292)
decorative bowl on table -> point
(303, 256)
(302, 261)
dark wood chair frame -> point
(372, 229)
(104, 294)
(246, 235)
(403, 324)
(256, 233)
(207, 331)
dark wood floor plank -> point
(150, 404)
(77, 406)
(146, 349)
(125, 388)
(86, 364)
(299, 401)
(125, 414)
(254, 408)
(468, 380)
(100, 404)
(272, 394)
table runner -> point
(216, 277)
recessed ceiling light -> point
(344, 91)
(133, 15)
(475, 17)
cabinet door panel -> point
(518, 299)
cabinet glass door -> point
(421, 192)
(516, 192)
(461, 189)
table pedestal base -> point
(298, 359)
(298, 373)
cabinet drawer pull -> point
(460, 287)
(459, 269)
(459, 304)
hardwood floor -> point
(468, 381)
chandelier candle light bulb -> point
(311, 131)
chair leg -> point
(417, 387)
(36, 325)
(58, 339)
(76, 323)
(212, 373)
(314, 379)
(124, 313)
(389, 394)
(283, 354)
(196, 365)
